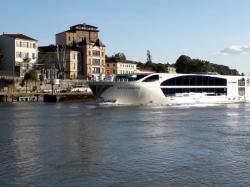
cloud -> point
(236, 49)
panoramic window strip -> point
(195, 80)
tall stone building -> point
(85, 38)
(76, 34)
(93, 59)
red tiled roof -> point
(20, 36)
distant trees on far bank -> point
(1, 56)
(118, 57)
(184, 64)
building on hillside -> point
(92, 50)
(20, 53)
(119, 67)
(65, 61)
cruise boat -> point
(171, 89)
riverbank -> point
(41, 97)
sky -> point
(213, 30)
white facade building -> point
(20, 53)
(119, 67)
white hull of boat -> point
(144, 93)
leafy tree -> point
(1, 56)
(185, 64)
(41, 77)
(149, 57)
(119, 57)
(182, 64)
(31, 75)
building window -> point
(241, 82)
(33, 55)
(96, 53)
(34, 45)
(89, 53)
(113, 71)
(74, 56)
(102, 54)
(151, 78)
(113, 65)
(96, 70)
(26, 55)
(96, 62)
(18, 54)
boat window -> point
(129, 77)
(209, 91)
(195, 80)
(151, 78)
(241, 82)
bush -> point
(34, 88)
(31, 75)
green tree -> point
(185, 64)
(119, 57)
(31, 75)
(1, 56)
(182, 64)
(149, 57)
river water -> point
(74, 144)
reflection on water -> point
(72, 144)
